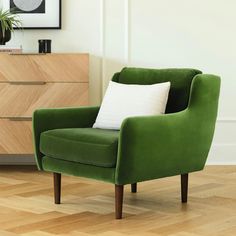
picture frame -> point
(37, 14)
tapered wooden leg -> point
(134, 188)
(57, 187)
(184, 188)
(119, 190)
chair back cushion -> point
(180, 80)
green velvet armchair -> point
(146, 148)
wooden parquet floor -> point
(27, 209)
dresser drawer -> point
(48, 67)
(20, 100)
(15, 137)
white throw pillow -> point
(123, 100)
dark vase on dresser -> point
(4, 37)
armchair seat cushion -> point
(89, 146)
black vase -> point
(45, 45)
(6, 37)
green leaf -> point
(9, 19)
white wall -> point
(153, 33)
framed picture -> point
(36, 14)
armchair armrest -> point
(158, 146)
(47, 119)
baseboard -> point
(17, 160)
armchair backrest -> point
(181, 80)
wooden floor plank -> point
(27, 209)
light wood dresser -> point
(29, 82)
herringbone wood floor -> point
(26, 205)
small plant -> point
(8, 21)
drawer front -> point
(16, 137)
(21, 100)
(48, 67)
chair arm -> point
(47, 119)
(158, 146)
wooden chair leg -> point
(119, 191)
(184, 188)
(57, 187)
(134, 188)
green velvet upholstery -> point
(147, 147)
(73, 168)
(48, 119)
(84, 145)
(180, 79)
(171, 144)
